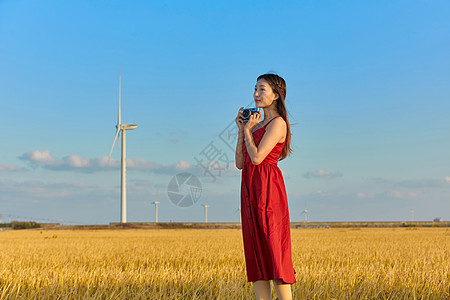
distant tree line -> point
(21, 225)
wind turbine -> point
(156, 210)
(122, 127)
(306, 215)
(206, 212)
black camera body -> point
(247, 112)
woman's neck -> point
(269, 113)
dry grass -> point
(385, 263)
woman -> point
(264, 206)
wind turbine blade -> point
(120, 81)
(118, 144)
(117, 134)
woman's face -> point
(263, 95)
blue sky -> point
(368, 99)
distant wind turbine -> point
(156, 210)
(305, 212)
(123, 128)
(206, 212)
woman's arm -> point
(239, 156)
(275, 131)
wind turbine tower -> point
(305, 212)
(206, 212)
(156, 210)
(122, 128)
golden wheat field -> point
(401, 263)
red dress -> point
(265, 217)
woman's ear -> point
(276, 97)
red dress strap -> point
(271, 120)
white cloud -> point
(361, 195)
(77, 162)
(401, 194)
(38, 157)
(415, 183)
(45, 160)
(141, 164)
(10, 168)
(322, 174)
(182, 165)
(85, 164)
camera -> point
(247, 112)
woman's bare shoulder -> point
(278, 122)
(278, 125)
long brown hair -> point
(278, 86)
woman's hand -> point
(253, 121)
(239, 122)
